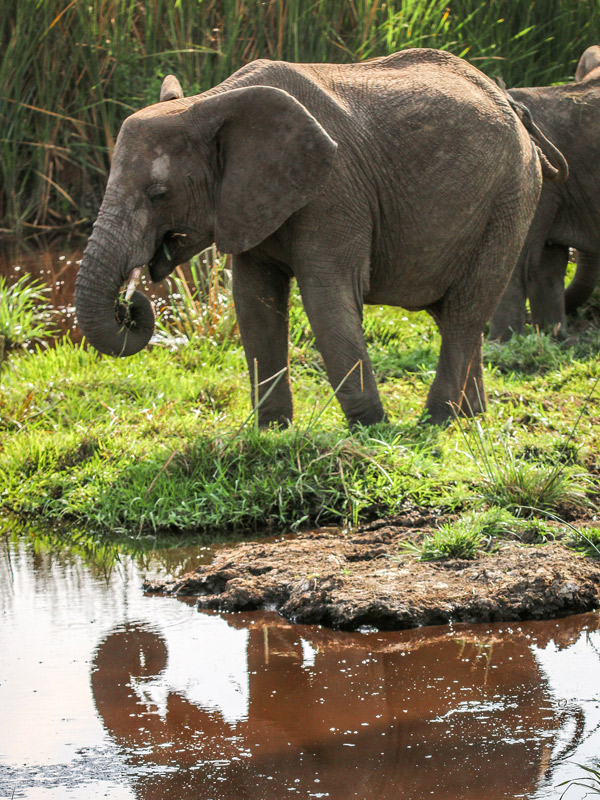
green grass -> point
(531, 481)
(71, 72)
(589, 780)
(25, 315)
(586, 541)
(482, 531)
(165, 442)
(461, 539)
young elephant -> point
(406, 180)
(567, 215)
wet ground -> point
(347, 579)
(106, 692)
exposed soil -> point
(354, 579)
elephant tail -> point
(554, 164)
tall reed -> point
(70, 71)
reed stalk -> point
(70, 72)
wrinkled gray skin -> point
(406, 180)
(568, 215)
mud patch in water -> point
(347, 580)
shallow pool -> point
(106, 693)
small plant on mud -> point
(536, 531)
(460, 539)
(585, 541)
(25, 313)
(478, 531)
(464, 538)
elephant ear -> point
(589, 61)
(273, 156)
(170, 89)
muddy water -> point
(107, 693)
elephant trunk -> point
(584, 281)
(111, 325)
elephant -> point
(406, 180)
(568, 215)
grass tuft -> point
(461, 539)
(25, 313)
(518, 484)
(525, 353)
(477, 532)
(586, 541)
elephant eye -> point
(157, 193)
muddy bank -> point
(355, 579)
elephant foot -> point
(366, 422)
(280, 421)
(366, 417)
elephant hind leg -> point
(458, 387)
(462, 313)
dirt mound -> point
(354, 579)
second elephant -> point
(568, 215)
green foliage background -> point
(72, 70)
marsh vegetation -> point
(70, 73)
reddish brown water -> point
(55, 265)
(107, 693)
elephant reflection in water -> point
(375, 716)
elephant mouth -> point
(168, 254)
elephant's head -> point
(228, 166)
(588, 67)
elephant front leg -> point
(261, 297)
(335, 315)
(546, 290)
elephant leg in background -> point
(470, 392)
(261, 298)
(335, 316)
(545, 285)
(509, 316)
(584, 281)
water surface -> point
(55, 265)
(107, 693)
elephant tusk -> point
(133, 282)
